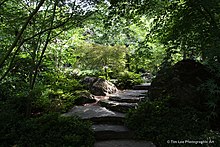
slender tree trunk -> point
(29, 98)
(128, 62)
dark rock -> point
(89, 81)
(181, 82)
(147, 76)
(84, 98)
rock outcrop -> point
(181, 82)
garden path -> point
(108, 116)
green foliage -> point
(45, 97)
(158, 122)
(95, 56)
(212, 93)
(148, 56)
(60, 80)
(188, 29)
(33, 62)
(59, 96)
(91, 73)
(126, 80)
(47, 130)
(57, 131)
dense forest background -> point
(48, 46)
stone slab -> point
(126, 99)
(95, 113)
(117, 106)
(144, 86)
(124, 143)
(109, 132)
(107, 127)
(129, 96)
(134, 93)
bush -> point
(8, 124)
(157, 122)
(49, 130)
(54, 101)
(60, 81)
(53, 130)
(126, 80)
(59, 96)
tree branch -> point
(12, 61)
(51, 28)
(213, 22)
(48, 29)
(3, 2)
(45, 47)
(2, 60)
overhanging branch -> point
(11, 48)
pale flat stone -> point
(129, 96)
(124, 143)
(144, 86)
(95, 113)
(107, 127)
(134, 93)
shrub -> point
(157, 122)
(126, 80)
(54, 101)
(54, 130)
(49, 130)
(8, 124)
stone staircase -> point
(108, 117)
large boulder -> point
(99, 86)
(181, 81)
(103, 87)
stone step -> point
(108, 132)
(129, 96)
(123, 143)
(130, 92)
(126, 99)
(144, 86)
(96, 114)
(117, 106)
